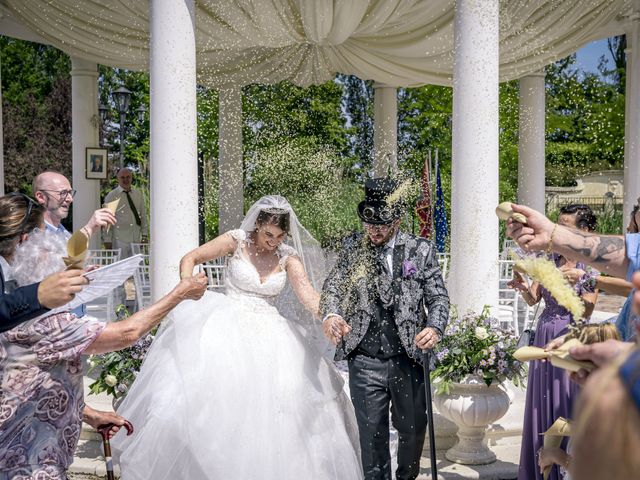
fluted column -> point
(385, 132)
(230, 171)
(632, 117)
(531, 141)
(173, 165)
(474, 226)
(84, 133)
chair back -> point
(215, 270)
(103, 257)
(140, 248)
(141, 279)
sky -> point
(587, 57)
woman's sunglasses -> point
(30, 204)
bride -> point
(234, 386)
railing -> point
(597, 203)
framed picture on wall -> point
(96, 166)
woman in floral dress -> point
(41, 391)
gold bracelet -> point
(551, 238)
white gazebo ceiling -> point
(396, 42)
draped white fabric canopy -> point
(396, 42)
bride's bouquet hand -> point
(192, 288)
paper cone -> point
(559, 357)
(553, 438)
(560, 428)
(563, 359)
(526, 354)
(567, 362)
(77, 250)
(112, 207)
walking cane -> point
(432, 436)
(104, 431)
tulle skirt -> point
(231, 390)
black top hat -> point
(374, 209)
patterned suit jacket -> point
(350, 290)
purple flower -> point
(408, 268)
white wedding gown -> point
(231, 390)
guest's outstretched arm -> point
(606, 253)
(118, 335)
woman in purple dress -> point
(550, 393)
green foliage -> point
(310, 176)
(275, 113)
(118, 370)
(36, 102)
(476, 345)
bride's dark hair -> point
(274, 216)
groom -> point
(373, 304)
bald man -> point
(132, 226)
(53, 191)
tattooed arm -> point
(606, 253)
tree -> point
(36, 111)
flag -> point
(423, 206)
(440, 214)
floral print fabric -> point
(41, 395)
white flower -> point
(111, 380)
(481, 333)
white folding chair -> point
(142, 248)
(505, 271)
(443, 261)
(507, 246)
(508, 309)
(103, 307)
(141, 280)
(215, 270)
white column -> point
(84, 133)
(473, 281)
(173, 165)
(1, 139)
(632, 119)
(385, 131)
(531, 158)
(230, 164)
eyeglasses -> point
(62, 194)
(30, 202)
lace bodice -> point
(243, 280)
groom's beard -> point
(378, 239)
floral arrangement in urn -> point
(475, 344)
(119, 369)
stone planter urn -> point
(472, 406)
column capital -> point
(383, 85)
(82, 67)
(629, 20)
(537, 73)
